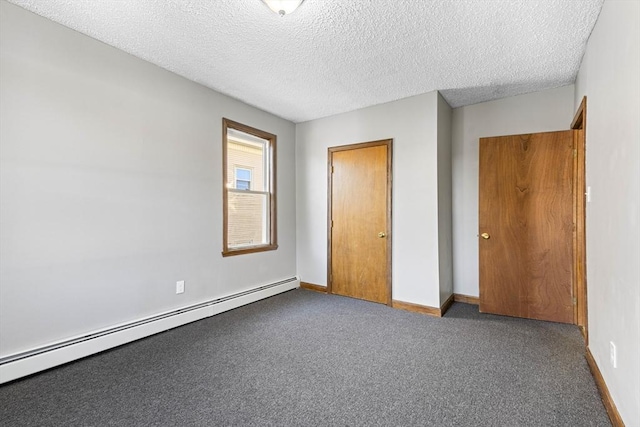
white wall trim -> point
(38, 359)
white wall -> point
(445, 194)
(548, 110)
(412, 123)
(111, 187)
(609, 78)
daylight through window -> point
(249, 189)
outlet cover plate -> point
(180, 287)
(613, 354)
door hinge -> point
(575, 301)
(331, 223)
(575, 152)
(331, 169)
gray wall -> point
(445, 226)
(609, 78)
(111, 187)
(548, 110)
(412, 123)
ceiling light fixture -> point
(283, 7)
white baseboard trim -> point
(30, 362)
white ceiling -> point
(332, 56)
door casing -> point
(579, 125)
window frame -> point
(270, 186)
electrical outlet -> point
(613, 354)
(179, 286)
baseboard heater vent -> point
(284, 285)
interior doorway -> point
(540, 229)
(359, 221)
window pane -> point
(248, 216)
(242, 185)
(243, 174)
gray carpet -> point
(304, 359)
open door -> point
(526, 226)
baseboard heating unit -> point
(29, 362)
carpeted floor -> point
(305, 359)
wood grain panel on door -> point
(526, 226)
(359, 226)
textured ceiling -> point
(332, 56)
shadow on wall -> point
(467, 95)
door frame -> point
(579, 125)
(383, 142)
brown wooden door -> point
(360, 221)
(526, 226)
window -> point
(249, 193)
(243, 178)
